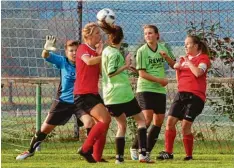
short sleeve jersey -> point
(153, 63)
(67, 77)
(116, 89)
(87, 76)
(188, 82)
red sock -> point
(169, 140)
(188, 144)
(99, 147)
(94, 134)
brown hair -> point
(114, 32)
(201, 44)
(71, 43)
(152, 27)
(88, 30)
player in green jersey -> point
(151, 91)
(118, 94)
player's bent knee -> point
(89, 123)
(170, 126)
(47, 128)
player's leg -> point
(143, 99)
(93, 104)
(148, 115)
(59, 114)
(120, 138)
(158, 104)
(36, 141)
(176, 112)
(154, 131)
(99, 130)
(142, 138)
(187, 139)
(194, 107)
(133, 109)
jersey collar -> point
(90, 47)
(151, 48)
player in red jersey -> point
(189, 101)
(87, 99)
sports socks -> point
(142, 138)
(119, 147)
(169, 140)
(152, 137)
(135, 141)
(99, 147)
(188, 144)
(36, 141)
(95, 133)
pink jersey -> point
(188, 82)
(87, 76)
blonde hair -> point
(88, 30)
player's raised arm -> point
(49, 46)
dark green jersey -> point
(153, 63)
(116, 89)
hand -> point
(164, 82)
(187, 61)
(50, 43)
(99, 48)
(177, 65)
(163, 54)
(128, 60)
(185, 58)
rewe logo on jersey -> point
(155, 60)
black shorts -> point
(130, 108)
(186, 106)
(85, 102)
(152, 101)
(60, 113)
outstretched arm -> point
(49, 46)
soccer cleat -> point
(145, 159)
(88, 156)
(165, 155)
(188, 158)
(24, 155)
(119, 159)
(119, 162)
(134, 154)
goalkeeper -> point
(63, 106)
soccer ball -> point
(106, 15)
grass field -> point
(60, 157)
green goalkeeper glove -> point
(50, 43)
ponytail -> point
(204, 48)
(114, 32)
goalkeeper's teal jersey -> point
(153, 63)
(116, 89)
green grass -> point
(56, 155)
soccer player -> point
(87, 99)
(63, 106)
(189, 101)
(151, 92)
(118, 95)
